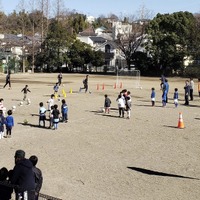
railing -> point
(41, 196)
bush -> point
(192, 71)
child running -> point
(25, 90)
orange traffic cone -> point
(103, 87)
(97, 86)
(120, 85)
(180, 121)
(115, 86)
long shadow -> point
(170, 126)
(156, 173)
(113, 116)
(197, 118)
(33, 125)
(16, 100)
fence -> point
(41, 196)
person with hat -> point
(23, 177)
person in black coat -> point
(23, 177)
(5, 191)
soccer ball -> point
(25, 121)
(90, 92)
(13, 108)
(21, 103)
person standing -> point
(42, 114)
(9, 124)
(23, 177)
(121, 105)
(191, 89)
(50, 102)
(8, 80)
(176, 97)
(64, 111)
(85, 84)
(153, 96)
(199, 86)
(2, 123)
(38, 176)
(55, 114)
(25, 90)
(187, 92)
(60, 78)
(107, 104)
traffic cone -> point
(70, 91)
(115, 86)
(103, 86)
(180, 121)
(97, 86)
(120, 85)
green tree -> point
(56, 45)
(170, 37)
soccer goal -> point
(129, 78)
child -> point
(42, 114)
(51, 117)
(107, 104)
(25, 90)
(176, 97)
(153, 96)
(64, 110)
(128, 107)
(50, 102)
(2, 122)
(9, 124)
(56, 88)
(56, 114)
(121, 105)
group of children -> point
(5, 121)
(123, 101)
(54, 113)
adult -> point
(23, 177)
(60, 78)
(187, 92)
(5, 191)
(162, 79)
(165, 92)
(191, 89)
(38, 176)
(8, 80)
(85, 84)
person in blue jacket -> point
(9, 124)
(153, 96)
(23, 177)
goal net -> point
(129, 78)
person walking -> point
(23, 177)
(38, 176)
(8, 80)
(60, 78)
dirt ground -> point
(98, 156)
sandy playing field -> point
(96, 156)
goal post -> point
(129, 78)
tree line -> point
(167, 41)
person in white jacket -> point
(121, 105)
